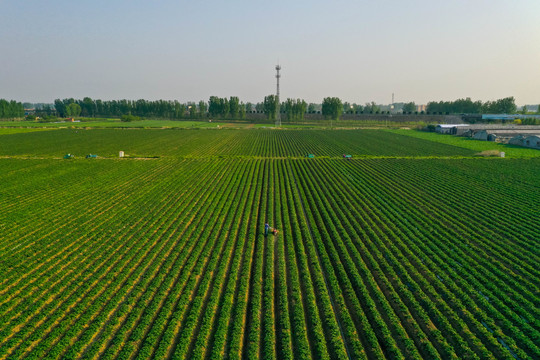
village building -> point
(503, 135)
(532, 141)
(452, 129)
(522, 135)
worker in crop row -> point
(268, 228)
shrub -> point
(47, 118)
(129, 118)
(489, 153)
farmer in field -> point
(266, 228)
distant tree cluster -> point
(332, 107)
(409, 108)
(11, 109)
(371, 108)
(467, 106)
(218, 107)
(294, 109)
(502, 106)
(349, 108)
(88, 107)
(226, 108)
(313, 108)
(271, 106)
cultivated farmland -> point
(410, 250)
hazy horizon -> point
(358, 51)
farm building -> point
(469, 130)
(532, 141)
(507, 117)
(453, 129)
(502, 135)
(512, 130)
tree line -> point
(233, 108)
(166, 109)
(88, 107)
(216, 107)
(11, 109)
(467, 106)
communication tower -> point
(278, 115)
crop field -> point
(223, 143)
(113, 123)
(412, 249)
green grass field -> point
(413, 249)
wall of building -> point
(434, 119)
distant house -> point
(503, 135)
(531, 141)
(480, 135)
(517, 140)
(452, 129)
(512, 130)
(520, 134)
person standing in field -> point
(266, 228)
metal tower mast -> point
(278, 115)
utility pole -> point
(278, 115)
(391, 110)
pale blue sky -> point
(360, 51)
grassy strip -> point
(17, 130)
